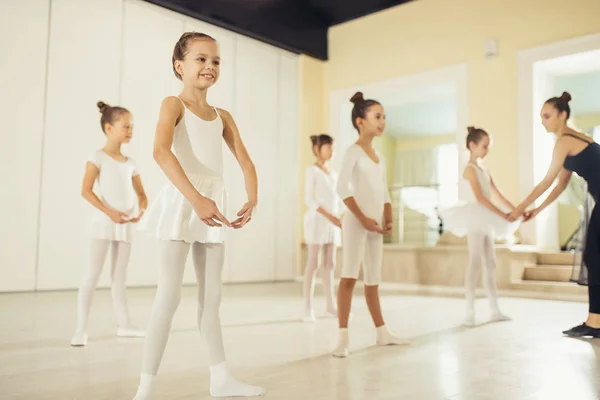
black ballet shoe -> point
(583, 331)
(574, 329)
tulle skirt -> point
(474, 217)
(171, 216)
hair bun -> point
(566, 96)
(102, 106)
(357, 98)
(470, 129)
(314, 139)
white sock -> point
(130, 331)
(470, 317)
(385, 337)
(79, 339)
(469, 320)
(309, 317)
(145, 388)
(497, 316)
(341, 350)
(222, 384)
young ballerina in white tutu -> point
(363, 187)
(321, 224)
(119, 186)
(187, 212)
(481, 221)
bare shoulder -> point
(224, 114)
(173, 101)
(469, 171)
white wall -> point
(22, 79)
(119, 51)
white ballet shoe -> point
(386, 338)
(222, 384)
(469, 321)
(80, 339)
(341, 351)
(234, 388)
(309, 317)
(130, 331)
(497, 316)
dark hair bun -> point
(566, 96)
(357, 98)
(102, 106)
(470, 129)
(314, 139)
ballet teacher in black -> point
(573, 152)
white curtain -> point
(415, 168)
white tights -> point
(118, 271)
(312, 265)
(481, 251)
(208, 263)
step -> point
(558, 258)
(548, 273)
(549, 287)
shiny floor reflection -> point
(266, 343)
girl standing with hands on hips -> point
(119, 186)
(481, 221)
(321, 224)
(188, 210)
(362, 185)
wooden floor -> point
(526, 358)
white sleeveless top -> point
(483, 177)
(197, 144)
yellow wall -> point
(586, 121)
(429, 34)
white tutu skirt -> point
(171, 217)
(102, 227)
(319, 230)
(474, 217)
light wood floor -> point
(526, 358)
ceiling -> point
(299, 26)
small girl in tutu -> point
(481, 221)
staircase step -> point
(549, 287)
(558, 258)
(548, 273)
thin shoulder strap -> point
(577, 137)
(182, 103)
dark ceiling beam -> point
(299, 26)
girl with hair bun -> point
(573, 152)
(481, 221)
(187, 213)
(362, 186)
(119, 186)
(321, 224)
